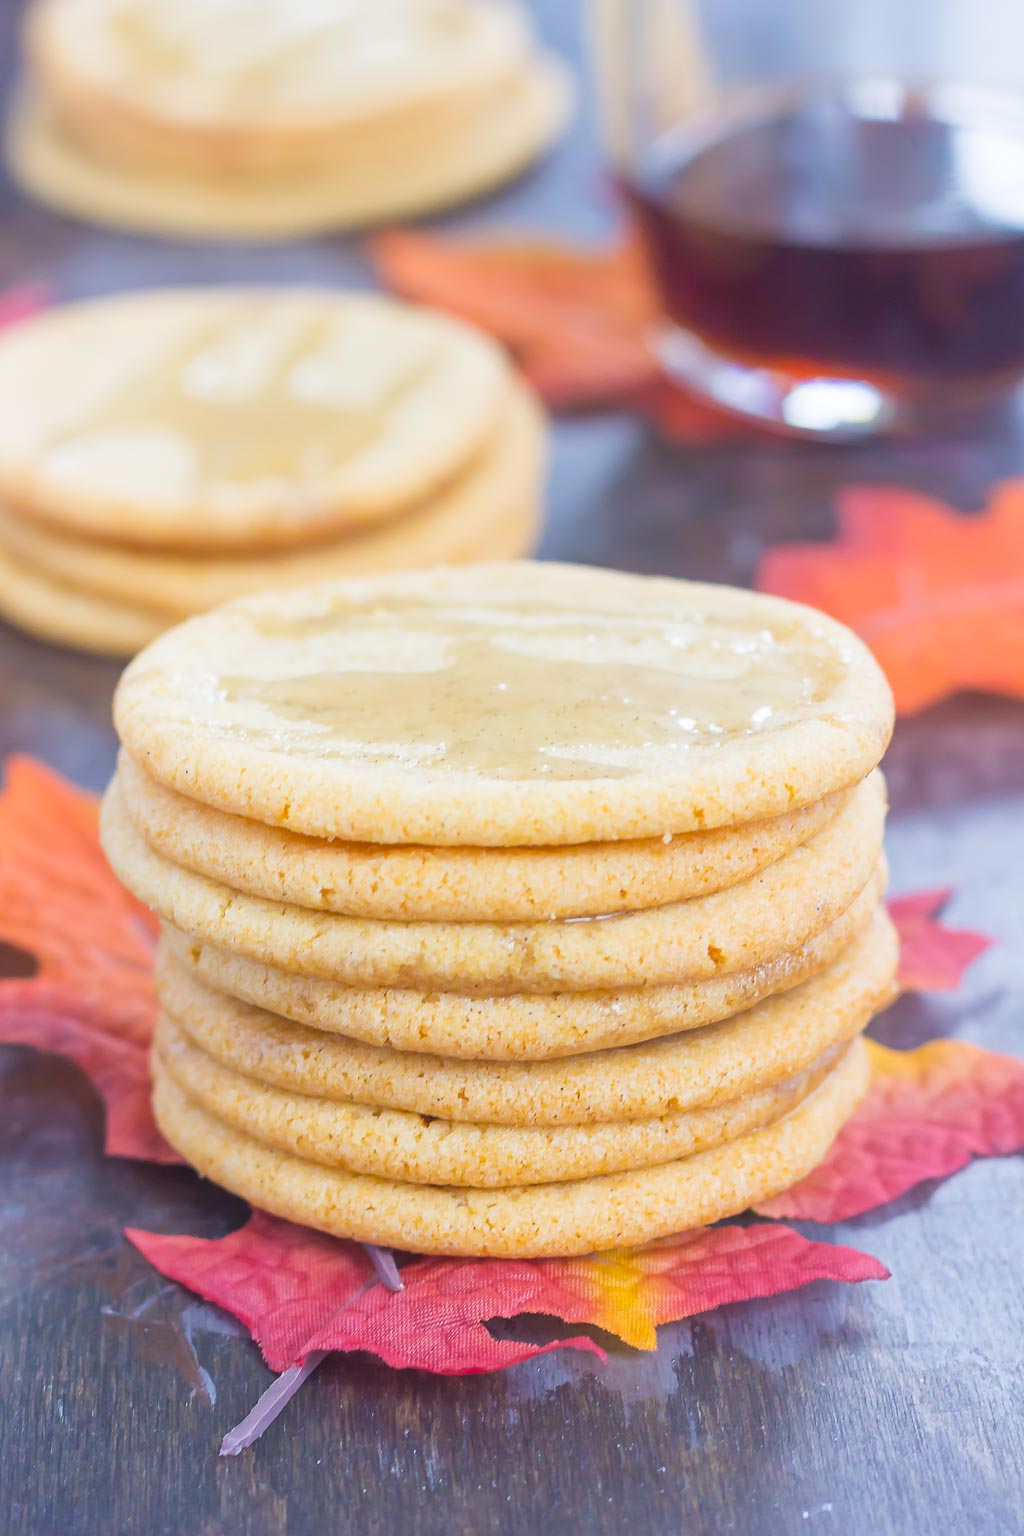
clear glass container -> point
(831, 193)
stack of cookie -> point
(164, 452)
(512, 910)
(273, 118)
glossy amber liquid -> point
(876, 233)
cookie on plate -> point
(275, 118)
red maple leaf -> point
(298, 1291)
(933, 958)
(928, 1113)
(938, 595)
(301, 1294)
(685, 419)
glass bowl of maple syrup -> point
(831, 197)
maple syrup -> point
(872, 232)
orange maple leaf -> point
(91, 998)
(578, 321)
(938, 595)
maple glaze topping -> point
(275, 392)
(247, 49)
(526, 689)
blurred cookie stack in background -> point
(273, 118)
(518, 909)
(163, 452)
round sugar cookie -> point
(392, 1144)
(698, 1070)
(528, 1026)
(65, 615)
(70, 616)
(508, 885)
(249, 85)
(448, 164)
(239, 417)
(489, 511)
(580, 1216)
(516, 704)
(774, 911)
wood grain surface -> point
(876, 1409)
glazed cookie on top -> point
(506, 705)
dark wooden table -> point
(876, 1409)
